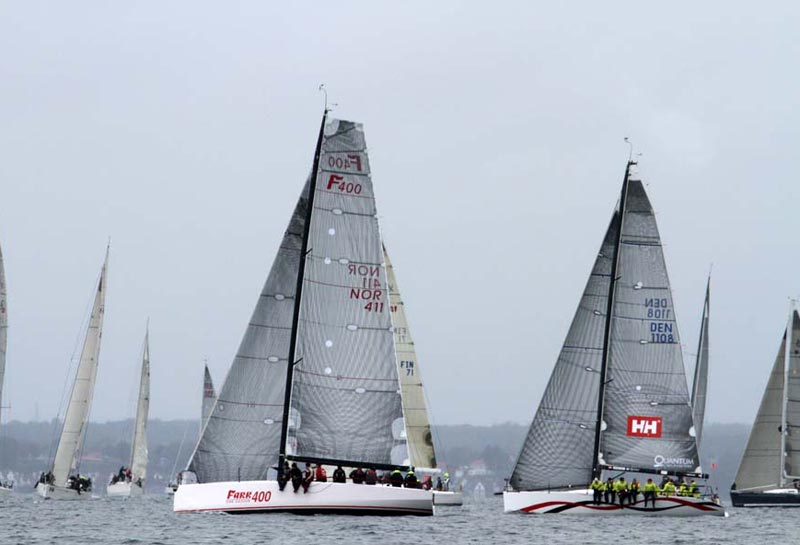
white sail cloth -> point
(3, 328)
(73, 432)
(415, 410)
(700, 382)
(139, 448)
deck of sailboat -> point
(783, 497)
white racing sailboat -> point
(127, 484)
(60, 483)
(421, 450)
(617, 403)
(5, 487)
(209, 399)
(315, 378)
(769, 473)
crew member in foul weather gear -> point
(339, 475)
(633, 491)
(621, 488)
(694, 490)
(396, 478)
(446, 482)
(308, 477)
(610, 496)
(683, 489)
(296, 477)
(597, 488)
(650, 489)
(370, 476)
(283, 476)
(411, 479)
(320, 474)
(669, 488)
(357, 476)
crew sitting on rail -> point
(694, 490)
(283, 475)
(446, 482)
(370, 476)
(668, 489)
(320, 474)
(650, 491)
(427, 483)
(339, 475)
(357, 476)
(396, 478)
(296, 477)
(683, 489)
(411, 479)
(308, 477)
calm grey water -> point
(150, 520)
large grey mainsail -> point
(415, 409)
(700, 382)
(345, 396)
(209, 398)
(242, 436)
(761, 466)
(558, 450)
(647, 415)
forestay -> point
(415, 410)
(345, 397)
(558, 449)
(139, 449)
(77, 415)
(700, 382)
(241, 439)
(647, 415)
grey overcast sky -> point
(184, 131)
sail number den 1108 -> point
(657, 310)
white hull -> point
(53, 492)
(328, 498)
(579, 502)
(447, 498)
(4, 491)
(123, 490)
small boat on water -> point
(769, 473)
(5, 487)
(419, 437)
(209, 398)
(63, 481)
(315, 378)
(617, 403)
(131, 482)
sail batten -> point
(77, 415)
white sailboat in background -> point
(617, 403)
(421, 449)
(60, 483)
(209, 399)
(127, 484)
(769, 473)
(315, 377)
(5, 487)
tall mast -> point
(312, 186)
(787, 350)
(607, 332)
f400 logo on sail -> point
(644, 426)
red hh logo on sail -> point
(644, 426)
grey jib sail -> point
(761, 467)
(700, 382)
(242, 436)
(647, 415)
(209, 398)
(558, 448)
(345, 398)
